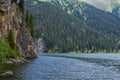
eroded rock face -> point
(40, 45)
(12, 19)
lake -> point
(70, 67)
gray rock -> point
(19, 60)
(40, 45)
(7, 74)
(9, 62)
(24, 60)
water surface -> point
(70, 67)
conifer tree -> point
(29, 23)
(21, 5)
(14, 1)
(11, 39)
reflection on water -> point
(70, 67)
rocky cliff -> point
(12, 19)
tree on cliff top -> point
(14, 1)
(29, 23)
(21, 5)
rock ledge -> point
(7, 74)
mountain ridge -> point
(109, 6)
(101, 4)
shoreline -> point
(6, 68)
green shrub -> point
(14, 53)
(4, 50)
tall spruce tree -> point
(14, 1)
(29, 23)
(11, 39)
(21, 5)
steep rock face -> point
(12, 19)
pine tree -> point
(11, 39)
(21, 5)
(14, 1)
(29, 23)
(31, 26)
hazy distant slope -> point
(112, 6)
(106, 5)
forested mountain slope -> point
(103, 22)
(63, 32)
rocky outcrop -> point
(12, 19)
(6, 74)
(40, 45)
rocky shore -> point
(19, 60)
(6, 74)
